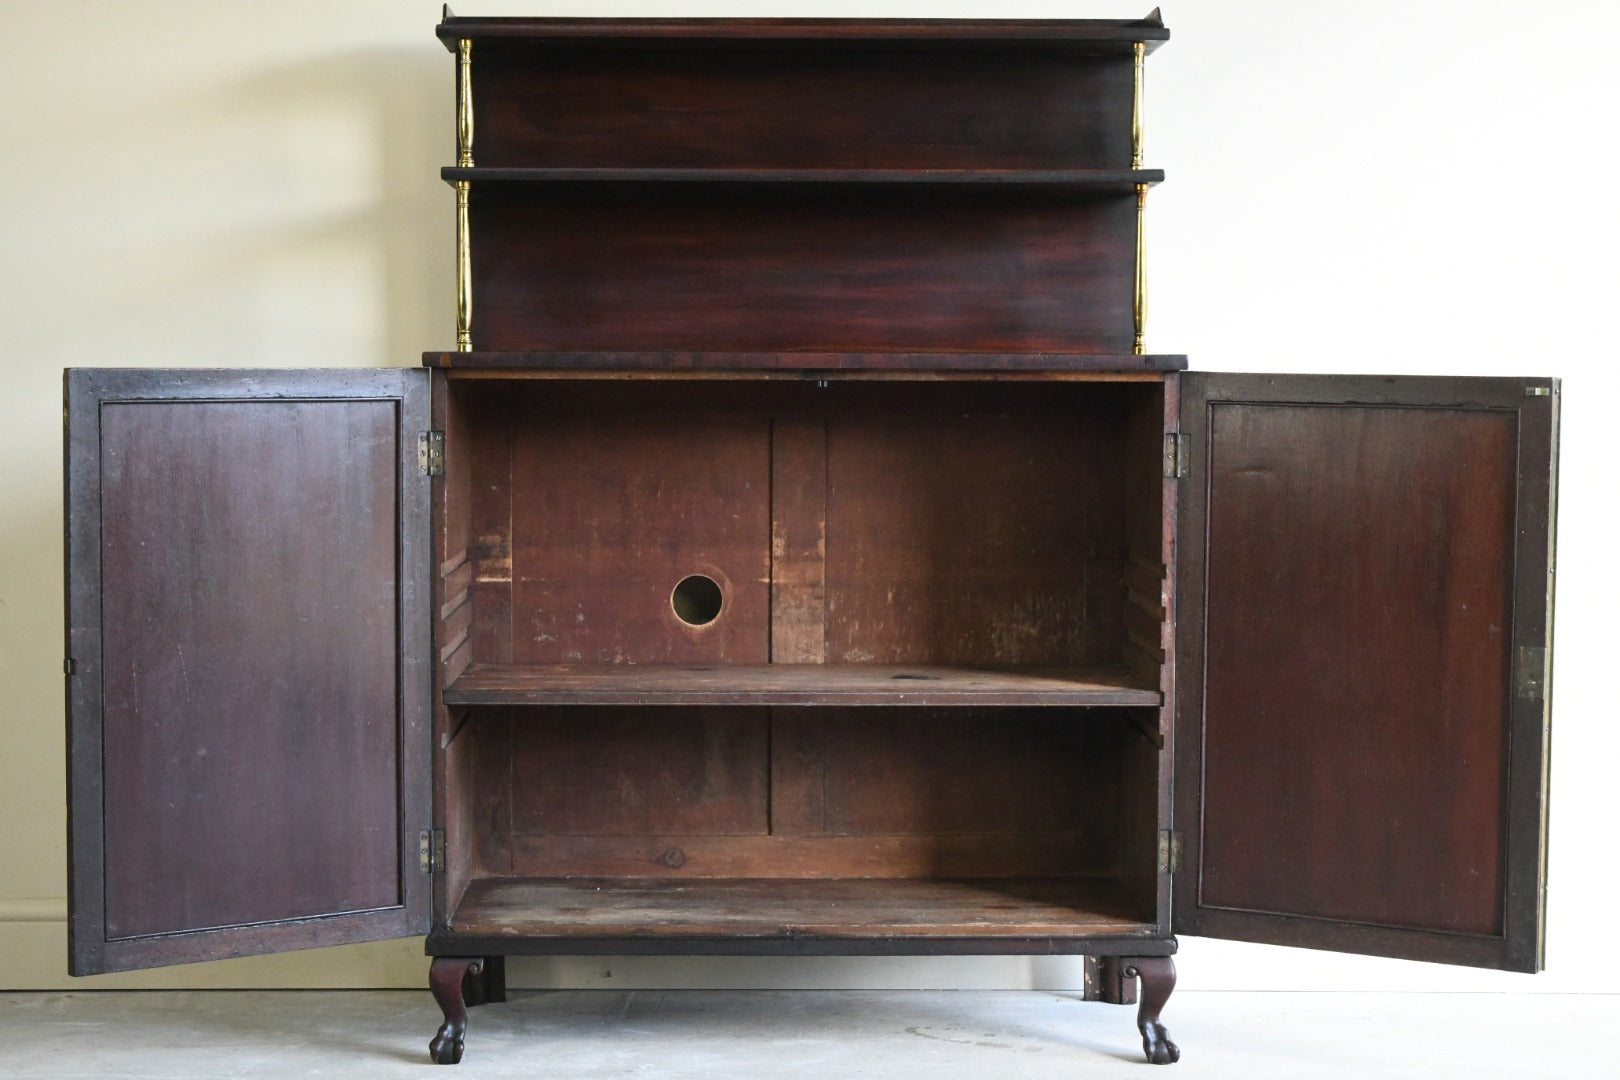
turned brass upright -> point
(1139, 307)
(1136, 107)
(464, 112)
(464, 159)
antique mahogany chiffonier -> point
(800, 554)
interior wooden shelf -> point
(1099, 180)
(794, 908)
(796, 364)
(791, 684)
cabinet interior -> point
(729, 653)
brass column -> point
(1139, 307)
(1136, 108)
(464, 159)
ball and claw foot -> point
(447, 1046)
(1157, 1046)
(448, 978)
(1158, 979)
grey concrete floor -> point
(941, 1035)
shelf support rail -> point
(464, 159)
(1139, 306)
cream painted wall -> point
(1415, 187)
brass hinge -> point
(1177, 455)
(1531, 677)
(431, 846)
(430, 452)
(70, 666)
(1169, 852)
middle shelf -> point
(794, 684)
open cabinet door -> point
(247, 614)
(1364, 582)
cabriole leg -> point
(446, 978)
(1158, 977)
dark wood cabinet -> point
(800, 555)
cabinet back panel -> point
(239, 667)
(696, 107)
(880, 855)
(975, 526)
(739, 268)
(1387, 625)
(611, 511)
(616, 772)
(827, 792)
(938, 773)
(927, 524)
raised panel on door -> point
(1364, 584)
(247, 624)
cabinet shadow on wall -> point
(337, 236)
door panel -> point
(1363, 560)
(247, 623)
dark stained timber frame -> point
(1434, 929)
(136, 920)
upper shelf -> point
(1068, 35)
(1099, 180)
(796, 364)
(791, 684)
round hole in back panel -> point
(697, 600)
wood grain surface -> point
(519, 907)
(698, 107)
(794, 684)
(1359, 767)
(237, 676)
(641, 266)
(252, 603)
(1359, 563)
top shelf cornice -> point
(1094, 36)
